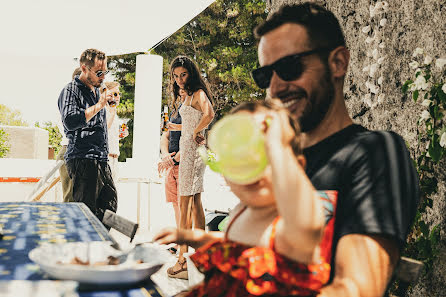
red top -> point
(235, 269)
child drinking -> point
(278, 240)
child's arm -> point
(299, 229)
(194, 238)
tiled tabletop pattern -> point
(26, 225)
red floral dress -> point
(235, 269)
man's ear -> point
(84, 68)
(338, 61)
(302, 161)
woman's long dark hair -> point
(194, 83)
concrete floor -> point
(169, 286)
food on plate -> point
(111, 260)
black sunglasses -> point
(100, 72)
(287, 68)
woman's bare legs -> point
(186, 204)
(176, 209)
(191, 213)
(198, 213)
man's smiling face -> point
(309, 96)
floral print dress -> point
(234, 269)
(191, 169)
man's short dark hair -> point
(76, 72)
(322, 26)
(89, 56)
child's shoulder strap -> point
(272, 236)
(242, 209)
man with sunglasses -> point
(304, 59)
(84, 119)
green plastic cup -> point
(236, 149)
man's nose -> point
(276, 85)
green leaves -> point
(55, 136)
(423, 242)
(221, 42)
(435, 150)
(405, 86)
(4, 144)
(11, 117)
(415, 95)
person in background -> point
(83, 116)
(170, 145)
(196, 114)
(303, 61)
(67, 183)
(114, 124)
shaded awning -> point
(66, 28)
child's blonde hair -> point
(110, 85)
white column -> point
(146, 128)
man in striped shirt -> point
(85, 125)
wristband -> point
(175, 162)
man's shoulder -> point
(385, 147)
(72, 86)
(375, 139)
(357, 142)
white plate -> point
(52, 259)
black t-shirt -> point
(174, 136)
(377, 184)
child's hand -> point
(194, 238)
(170, 235)
(278, 130)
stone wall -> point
(410, 24)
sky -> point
(41, 39)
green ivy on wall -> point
(429, 88)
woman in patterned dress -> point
(196, 113)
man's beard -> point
(318, 104)
(93, 83)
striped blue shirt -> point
(86, 140)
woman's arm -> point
(207, 109)
(164, 144)
(111, 114)
(301, 223)
(173, 126)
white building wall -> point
(27, 142)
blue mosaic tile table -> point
(27, 224)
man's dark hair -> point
(76, 72)
(322, 26)
(194, 83)
(89, 56)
